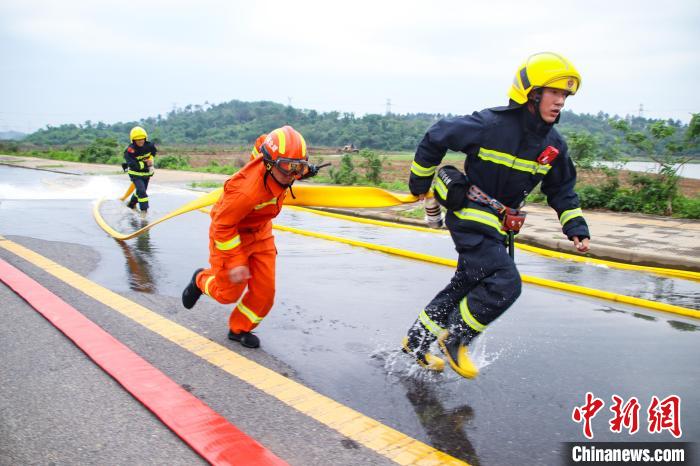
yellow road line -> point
(369, 221)
(685, 274)
(655, 305)
(374, 435)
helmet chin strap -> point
(537, 100)
(268, 172)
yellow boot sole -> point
(434, 363)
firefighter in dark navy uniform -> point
(510, 150)
(139, 157)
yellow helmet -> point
(545, 69)
(137, 133)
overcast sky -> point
(69, 61)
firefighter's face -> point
(281, 177)
(139, 142)
(552, 103)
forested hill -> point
(236, 123)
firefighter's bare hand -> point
(149, 162)
(239, 274)
(581, 246)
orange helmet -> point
(284, 142)
(255, 152)
(285, 149)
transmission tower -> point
(388, 106)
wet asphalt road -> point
(341, 311)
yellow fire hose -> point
(203, 201)
(526, 278)
(362, 196)
(320, 195)
(327, 196)
(686, 274)
(128, 192)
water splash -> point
(396, 362)
(400, 366)
(78, 187)
(65, 187)
(481, 356)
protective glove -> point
(125, 167)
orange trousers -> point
(258, 300)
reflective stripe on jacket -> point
(502, 145)
(136, 157)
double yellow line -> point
(369, 432)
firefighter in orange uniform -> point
(242, 249)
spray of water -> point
(480, 355)
(400, 366)
(68, 187)
(76, 187)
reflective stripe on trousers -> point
(485, 284)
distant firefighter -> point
(139, 157)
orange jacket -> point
(241, 220)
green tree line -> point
(239, 123)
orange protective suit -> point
(241, 234)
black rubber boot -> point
(247, 339)
(191, 293)
(417, 344)
(132, 203)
